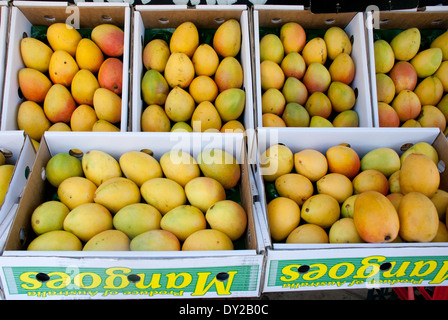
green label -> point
(45, 282)
(353, 272)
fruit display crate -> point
(132, 274)
(4, 16)
(330, 265)
(431, 23)
(31, 18)
(269, 19)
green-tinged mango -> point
(154, 119)
(181, 127)
(229, 74)
(179, 105)
(155, 54)
(293, 65)
(185, 39)
(107, 105)
(385, 88)
(337, 42)
(406, 44)
(295, 115)
(385, 160)
(220, 165)
(423, 148)
(164, 194)
(35, 54)
(154, 88)
(271, 48)
(110, 39)
(33, 84)
(49, 216)
(98, 166)
(6, 172)
(57, 240)
(227, 38)
(384, 56)
(108, 240)
(62, 68)
(88, 55)
(83, 87)
(74, 191)
(341, 95)
(179, 166)
(295, 91)
(230, 103)
(137, 218)
(318, 121)
(347, 118)
(207, 240)
(62, 166)
(110, 75)
(31, 119)
(139, 166)
(116, 193)
(62, 36)
(59, 104)
(179, 70)
(183, 220)
(155, 240)
(441, 42)
(427, 62)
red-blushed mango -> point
(431, 116)
(203, 88)
(384, 56)
(311, 163)
(293, 37)
(154, 119)
(110, 39)
(88, 55)
(62, 36)
(293, 65)
(155, 88)
(207, 240)
(271, 48)
(35, 54)
(407, 105)
(318, 104)
(441, 42)
(344, 160)
(179, 70)
(321, 209)
(341, 95)
(155, 240)
(179, 105)
(316, 78)
(337, 41)
(59, 104)
(230, 103)
(227, 38)
(283, 216)
(272, 75)
(33, 84)
(315, 50)
(185, 39)
(272, 120)
(308, 233)
(229, 217)
(419, 173)
(62, 68)
(273, 101)
(375, 217)
(83, 87)
(31, 119)
(442, 74)
(155, 54)
(429, 91)
(406, 44)
(336, 185)
(342, 68)
(404, 76)
(427, 62)
(110, 75)
(295, 115)
(294, 91)
(205, 60)
(107, 105)
(294, 186)
(347, 118)
(370, 180)
(344, 231)
(229, 74)
(385, 88)
(83, 118)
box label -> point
(123, 282)
(372, 271)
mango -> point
(227, 38)
(163, 194)
(294, 91)
(341, 95)
(185, 39)
(59, 126)
(346, 118)
(62, 68)
(347, 206)
(179, 105)
(83, 87)
(429, 91)
(442, 75)
(406, 44)
(88, 55)
(308, 233)
(62, 36)
(273, 101)
(230, 103)
(320, 209)
(116, 193)
(155, 55)
(387, 116)
(375, 217)
(107, 105)
(31, 119)
(272, 75)
(221, 166)
(108, 240)
(344, 160)
(110, 75)
(384, 56)
(283, 216)
(407, 105)
(316, 78)
(271, 48)
(154, 88)
(276, 161)
(370, 180)
(318, 121)
(418, 216)
(183, 220)
(139, 166)
(57, 240)
(293, 37)
(431, 116)
(442, 233)
(110, 39)
(344, 231)
(419, 173)
(293, 65)
(440, 200)
(35, 54)
(33, 84)
(203, 192)
(181, 127)
(342, 68)
(318, 104)
(394, 182)
(411, 123)
(441, 42)
(99, 166)
(385, 160)
(203, 88)
(207, 240)
(137, 218)
(229, 217)
(48, 216)
(62, 166)
(337, 42)
(395, 198)
(233, 126)
(155, 119)
(103, 125)
(179, 70)
(59, 104)
(83, 118)
(205, 60)
(87, 220)
(424, 148)
(443, 105)
(229, 74)
(2, 158)
(74, 191)
(336, 185)
(272, 120)
(155, 240)
(179, 166)
(206, 118)
(295, 115)
(427, 62)
(404, 76)
(385, 88)
(310, 163)
(315, 50)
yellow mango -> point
(283, 216)
(104, 125)
(205, 60)
(207, 239)
(59, 104)
(179, 105)
(83, 87)
(183, 220)
(308, 233)
(137, 218)
(88, 55)
(179, 166)
(83, 118)
(229, 217)
(337, 42)
(62, 36)
(220, 165)
(155, 54)
(31, 119)
(179, 70)
(227, 38)
(185, 39)
(140, 166)
(206, 118)
(406, 44)
(35, 54)
(441, 42)
(74, 191)
(49, 216)
(62, 68)
(57, 240)
(98, 166)
(155, 119)
(107, 105)
(59, 126)
(6, 172)
(203, 192)
(155, 240)
(108, 240)
(163, 194)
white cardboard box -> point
(164, 274)
(25, 14)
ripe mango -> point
(293, 65)
(293, 37)
(181, 127)
(6, 172)
(155, 55)
(341, 95)
(387, 116)
(155, 240)
(404, 76)
(273, 101)
(318, 121)
(154, 88)
(185, 39)
(62, 166)
(442, 75)
(220, 165)
(272, 120)
(385, 160)
(442, 233)
(108, 240)
(440, 200)
(419, 173)
(139, 166)
(59, 104)
(83, 87)
(203, 88)
(103, 125)
(62, 36)
(137, 218)
(427, 62)
(206, 118)
(308, 233)
(321, 209)
(59, 126)
(424, 148)
(441, 42)
(163, 194)
(295, 91)
(205, 60)
(384, 56)
(375, 217)
(109, 38)
(33, 84)
(88, 55)
(336, 185)
(429, 91)
(116, 193)
(431, 116)
(295, 115)
(62, 68)
(337, 42)
(385, 88)
(179, 105)
(229, 217)
(183, 220)
(347, 207)
(310, 163)
(31, 119)
(283, 216)
(418, 216)
(35, 54)
(344, 160)
(229, 74)
(74, 191)
(110, 75)
(57, 240)
(154, 118)
(107, 105)
(179, 70)
(203, 192)
(342, 68)
(272, 75)
(318, 104)
(98, 166)
(406, 44)
(344, 231)
(271, 48)
(179, 166)
(230, 103)
(370, 179)
(227, 38)
(276, 161)
(207, 240)
(87, 220)
(83, 118)
(347, 118)
(316, 78)
(315, 50)
(407, 105)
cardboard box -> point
(230, 273)
(26, 14)
(434, 18)
(4, 22)
(274, 16)
(294, 267)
